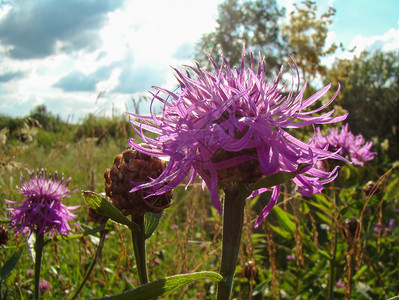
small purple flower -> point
(391, 225)
(340, 284)
(42, 211)
(346, 143)
(231, 127)
(380, 227)
(44, 286)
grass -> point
(302, 250)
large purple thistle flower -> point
(42, 211)
(354, 148)
(229, 127)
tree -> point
(253, 23)
(46, 119)
(370, 93)
(306, 35)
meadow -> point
(342, 243)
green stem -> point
(332, 265)
(103, 233)
(233, 218)
(138, 239)
(334, 240)
(39, 245)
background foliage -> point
(342, 243)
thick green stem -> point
(138, 239)
(103, 233)
(233, 218)
(39, 244)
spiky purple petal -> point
(42, 211)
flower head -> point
(346, 143)
(42, 211)
(129, 169)
(44, 286)
(230, 127)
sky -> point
(65, 53)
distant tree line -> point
(47, 129)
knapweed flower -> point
(340, 284)
(42, 211)
(44, 287)
(231, 127)
(346, 143)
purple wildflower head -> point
(230, 127)
(44, 286)
(42, 211)
(346, 143)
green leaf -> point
(9, 265)
(103, 207)
(151, 221)
(285, 234)
(278, 178)
(323, 217)
(164, 286)
(289, 227)
(324, 202)
(360, 272)
(374, 199)
(284, 219)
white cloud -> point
(138, 40)
(388, 41)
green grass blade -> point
(284, 219)
(9, 265)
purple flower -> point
(379, 227)
(346, 143)
(44, 286)
(42, 211)
(340, 284)
(230, 127)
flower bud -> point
(129, 169)
(351, 226)
(250, 270)
(371, 188)
(3, 236)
